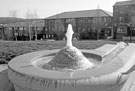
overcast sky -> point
(45, 8)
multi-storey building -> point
(124, 19)
(87, 24)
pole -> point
(130, 34)
(3, 37)
(29, 31)
(35, 28)
(98, 25)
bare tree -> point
(35, 14)
(13, 13)
(35, 28)
(30, 15)
(59, 29)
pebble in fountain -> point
(69, 58)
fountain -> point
(69, 58)
(71, 69)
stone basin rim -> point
(20, 63)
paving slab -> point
(5, 84)
(130, 83)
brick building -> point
(87, 24)
(124, 19)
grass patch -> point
(11, 49)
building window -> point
(21, 28)
(45, 22)
(89, 29)
(97, 19)
(84, 30)
(94, 20)
(10, 28)
(52, 29)
(71, 20)
(105, 20)
(116, 10)
(82, 20)
(79, 20)
(46, 29)
(133, 19)
(121, 12)
(79, 29)
(68, 20)
(89, 20)
(121, 19)
(109, 19)
(122, 29)
(49, 28)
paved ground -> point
(4, 82)
(130, 83)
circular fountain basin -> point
(26, 74)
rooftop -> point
(35, 23)
(131, 2)
(83, 13)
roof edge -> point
(54, 16)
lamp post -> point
(1, 29)
(129, 29)
(130, 33)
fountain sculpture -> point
(71, 69)
(69, 58)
